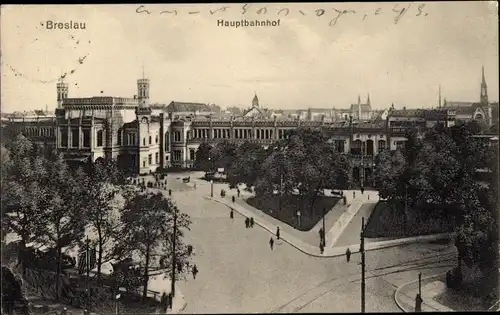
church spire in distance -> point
(484, 89)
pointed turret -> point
(368, 99)
(255, 101)
(484, 89)
(439, 101)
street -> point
(239, 273)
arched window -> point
(99, 138)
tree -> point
(23, 190)
(306, 162)
(202, 161)
(389, 166)
(223, 155)
(102, 193)
(247, 166)
(63, 209)
(147, 229)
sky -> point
(311, 60)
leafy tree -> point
(223, 155)
(202, 161)
(389, 166)
(102, 194)
(63, 209)
(23, 190)
(247, 166)
(306, 162)
(147, 229)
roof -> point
(457, 104)
(188, 107)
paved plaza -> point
(240, 273)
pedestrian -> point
(362, 190)
(170, 192)
(348, 254)
(278, 233)
(238, 192)
(233, 199)
(231, 214)
(194, 184)
(321, 234)
(353, 194)
(368, 197)
(247, 222)
(190, 249)
(271, 243)
(321, 247)
(345, 200)
(195, 271)
(164, 301)
(251, 222)
(169, 300)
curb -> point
(397, 291)
(341, 249)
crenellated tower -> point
(62, 92)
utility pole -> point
(406, 209)
(87, 263)
(362, 251)
(281, 192)
(362, 171)
(174, 237)
(324, 231)
(212, 188)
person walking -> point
(238, 193)
(231, 214)
(251, 222)
(353, 194)
(247, 222)
(278, 233)
(195, 271)
(321, 247)
(233, 199)
(271, 243)
(348, 254)
(362, 190)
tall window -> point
(75, 138)
(144, 141)
(100, 138)
(192, 154)
(156, 158)
(156, 139)
(177, 136)
(149, 139)
(177, 155)
(167, 140)
(64, 138)
(150, 159)
(86, 138)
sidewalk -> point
(431, 287)
(270, 224)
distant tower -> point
(368, 99)
(484, 90)
(62, 92)
(359, 107)
(255, 101)
(143, 90)
(439, 102)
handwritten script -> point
(334, 14)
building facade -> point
(144, 137)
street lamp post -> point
(324, 231)
(212, 188)
(362, 251)
(174, 237)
